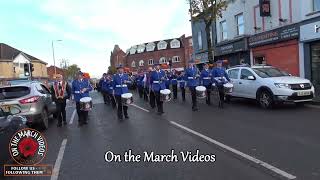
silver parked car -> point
(35, 101)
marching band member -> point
(191, 75)
(140, 83)
(220, 77)
(120, 87)
(157, 83)
(182, 83)
(174, 83)
(81, 88)
(145, 81)
(152, 96)
(60, 92)
(167, 80)
(206, 81)
(110, 91)
(104, 88)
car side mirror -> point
(251, 78)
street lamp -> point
(54, 60)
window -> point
(150, 47)
(141, 63)
(175, 59)
(175, 43)
(199, 40)
(141, 48)
(133, 50)
(45, 89)
(162, 60)
(162, 45)
(150, 62)
(245, 73)
(133, 64)
(223, 29)
(240, 24)
(316, 5)
(233, 74)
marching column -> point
(191, 75)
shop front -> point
(234, 52)
(278, 47)
(310, 40)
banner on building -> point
(265, 8)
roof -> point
(9, 53)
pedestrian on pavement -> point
(81, 88)
(182, 84)
(206, 81)
(60, 92)
(157, 81)
(220, 77)
(191, 75)
(105, 88)
(120, 81)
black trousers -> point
(112, 100)
(159, 102)
(221, 93)
(61, 110)
(140, 91)
(145, 93)
(152, 99)
(82, 115)
(175, 91)
(122, 109)
(193, 96)
(106, 97)
(208, 98)
(183, 93)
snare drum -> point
(165, 95)
(228, 87)
(201, 92)
(86, 104)
(127, 98)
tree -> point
(72, 71)
(207, 11)
(111, 70)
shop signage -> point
(201, 58)
(310, 32)
(231, 48)
(274, 36)
(265, 8)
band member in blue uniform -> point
(139, 81)
(152, 99)
(167, 80)
(174, 83)
(104, 88)
(206, 81)
(220, 77)
(81, 88)
(110, 91)
(157, 83)
(182, 84)
(191, 76)
(145, 82)
(120, 81)
(60, 92)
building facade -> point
(51, 72)
(117, 57)
(145, 55)
(12, 64)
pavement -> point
(249, 143)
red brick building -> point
(142, 56)
(50, 71)
(117, 56)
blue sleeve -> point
(114, 82)
(73, 88)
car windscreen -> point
(13, 92)
(269, 72)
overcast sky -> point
(89, 28)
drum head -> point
(165, 91)
(86, 99)
(126, 95)
(228, 85)
(200, 88)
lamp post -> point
(54, 60)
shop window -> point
(260, 60)
(315, 71)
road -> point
(249, 143)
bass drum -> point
(86, 104)
(201, 92)
(127, 98)
(165, 95)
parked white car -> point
(268, 85)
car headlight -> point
(282, 85)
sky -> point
(89, 29)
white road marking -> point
(72, 117)
(243, 155)
(56, 169)
(134, 105)
(313, 106)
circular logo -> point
(28, 147)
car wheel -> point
(265, 100)
(44, 124)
